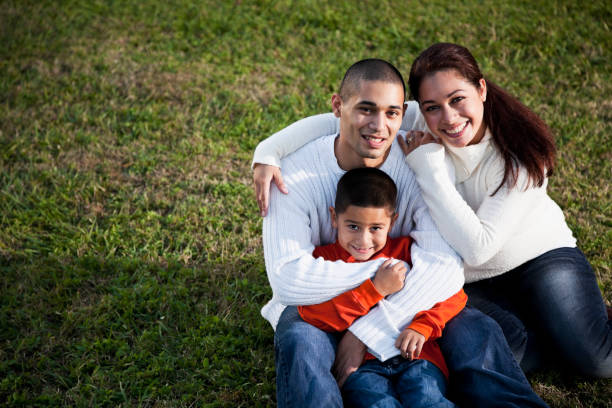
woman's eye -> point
(431, 108)
(457, 99)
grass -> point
(131, 267)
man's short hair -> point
(371, 69)
(365, 187)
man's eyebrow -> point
(448, 96)
(370, 103)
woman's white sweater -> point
(493, 234)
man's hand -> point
(390, 278)
(349, 357)
(263, 175)
(410, 342)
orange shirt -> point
(339, 313)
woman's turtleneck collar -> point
(466, 159)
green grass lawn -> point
(131, 267)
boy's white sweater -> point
(299, 221)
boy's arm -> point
(340, 312)
(430, 323)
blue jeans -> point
(483, 371)
(304, 356)
(550, 309)
(396, 383)
(482, 367)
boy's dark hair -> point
(365, 187)
(371, 69)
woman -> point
(483, 173)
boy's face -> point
(362, 231)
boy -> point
(363, 215)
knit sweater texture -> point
(300, 220)
(493, 234)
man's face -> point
(369, 121)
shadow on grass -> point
(94, 331)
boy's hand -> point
(410, 342)
(390, 278)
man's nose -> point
(377, 121)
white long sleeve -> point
(288, 140)
(492, 233)
(300, 220)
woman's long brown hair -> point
(523, 139)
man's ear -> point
(332, 213)
(336, 102)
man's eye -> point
(366, 110)
(393, 114)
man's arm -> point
(294, 222)
(339, 313)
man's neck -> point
(348, 159)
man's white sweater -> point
(493, 233)
(299, 221)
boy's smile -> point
(362, 231)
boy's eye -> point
(374, 229)
(353, 227)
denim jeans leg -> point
(421, 384)
(491, 297)
(370, 386)
(564, 302)
(304, 357)
(483, 371)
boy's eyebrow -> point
(360, 222)
(370, 103)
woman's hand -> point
(414, 139)
(263, 175)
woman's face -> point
(453, 107)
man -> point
(370, 106)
